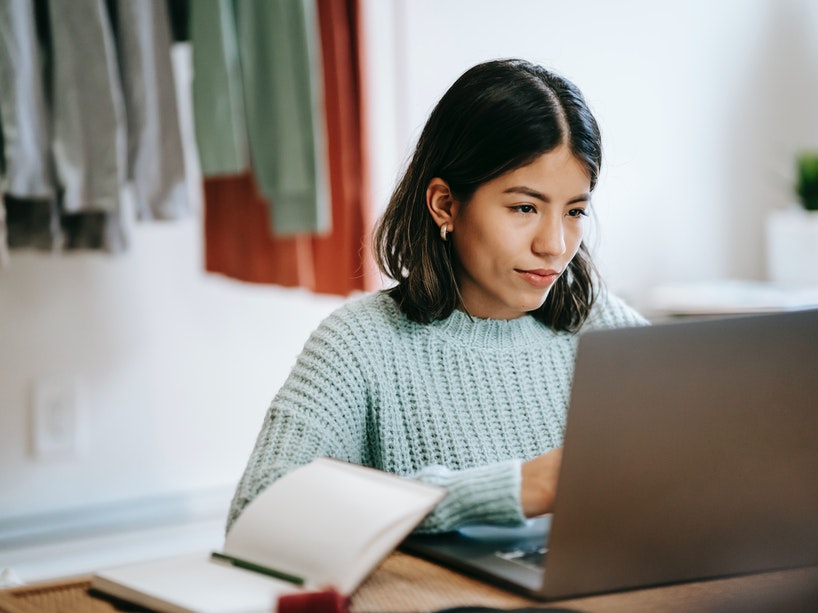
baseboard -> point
(116, 517)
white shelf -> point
(728, 297)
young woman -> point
(460, 373)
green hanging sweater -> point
(459, 402)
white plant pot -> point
(792, 246)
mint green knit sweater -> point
(460, 403)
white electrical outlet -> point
(55, 418)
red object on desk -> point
(328, 601)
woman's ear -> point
(441, 204)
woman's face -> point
(518, 233)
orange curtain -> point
(238, 240)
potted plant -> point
(792, 232)
(806, 186)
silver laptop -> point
(691, 452)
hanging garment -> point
(155, 158)
(236, 242)
(23, 112)
(179, 14)
(342, 259)
(278, 64)
(32, 223)
(67, 148)
(218, 94)
(31, 213)
(89, 140)
(89, 143)
(4, 246)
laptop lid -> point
(691, 451)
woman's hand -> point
(539, 483)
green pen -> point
(258, 568)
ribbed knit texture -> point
(460, 403)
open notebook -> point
(324, 525)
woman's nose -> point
(550, 237)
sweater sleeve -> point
(487, 494)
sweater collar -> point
(497, 333)
(465, 330)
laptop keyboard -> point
(531, 557)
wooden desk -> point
(405, 584)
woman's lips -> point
(539, 277)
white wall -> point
(175, 369)
(702, 105)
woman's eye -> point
(578, 213)
(524, 208)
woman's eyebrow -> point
(533, 193)
(527, 191)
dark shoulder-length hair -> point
(498, 116)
